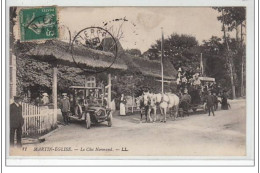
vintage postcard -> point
(128, 81)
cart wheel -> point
(205, 109)
(88, 122)
(194, 109)
(109, 120)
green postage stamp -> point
(38, 23)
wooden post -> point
(109, 91)
(162, 61)
(12, 75)
(201, 65)
(54, 94)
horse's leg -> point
(172, 113)
(176, 110)
(146, 112)
(155, 114)
(161, 114)
(141, 115)
(169, 110)
(165, 112)
(149, 114)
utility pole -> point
(201, 65)
(162, 61)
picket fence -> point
(131, 105)
(36, 119)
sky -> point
(144, 24)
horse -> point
(143, 103)
(165, 102)
(169, 101)
(148, 103)
(153, 103)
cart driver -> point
(196, 79)
(186, 97)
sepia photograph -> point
(127, 81)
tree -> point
(215, 61)
(135, 52)
(232, 18)
(182, 51)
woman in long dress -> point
(122, 105)
(113, 105)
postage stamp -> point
(38, 23)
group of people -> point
(186, 78)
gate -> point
(36, 119)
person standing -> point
(122, 105)
(224, 102)
(215, 101)
(45, 99)
(16, 122)
(185, 101)
(210, 103)
(65, 108)
(113, 105)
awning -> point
(207, 79)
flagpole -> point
(162, 60)
(201, 65)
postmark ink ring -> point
(98, 41)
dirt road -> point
(196, 135)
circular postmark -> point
(94, 49)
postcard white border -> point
(249, 160)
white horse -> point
(153, 103)
(169, 101)
(165, 102)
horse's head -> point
(146, 98)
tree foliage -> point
(216, 62)
(182, 51)
(134, 52)
(232, 17)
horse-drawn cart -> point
(197, 96)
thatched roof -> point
(151, 67)
(101, 59)
(82, 55)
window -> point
(91, 82)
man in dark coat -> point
(224, 102)
(185, 101)
(16, 122)
(215, 101)
(65, 108)
(210, 103)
